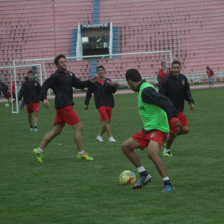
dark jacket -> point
(4, 88)
(177, 89)
(30, 92)
(151, 96)
(103, 94)
(62, 85)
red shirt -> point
(13, 88)
(162, 74)
(210, 72)
(101, 81)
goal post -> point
(116, 65)
(12, 77)
(148, 63)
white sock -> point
(82, 152)
(165, 150)
(165, 178)
(141, 169)
(40, 150)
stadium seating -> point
(182, 36)
(193, 30)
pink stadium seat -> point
(38, 30)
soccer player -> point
(154, 110)
(62, 83)
(103, 91)
(176, 87)
(210, 74)
(4, 89)
(30, 93)
(162, 73)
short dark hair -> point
(57, 58)
(30, 72)
(133, 75)
(100, 66)
(163, 62)
(176, 62)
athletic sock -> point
(81, 153)
(40, 150)
(165, 150)
(166, 181)
(142, 171)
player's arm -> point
(46, 85)
(49, 83)
(38, 88)
(88, 97)
(20, 96)
(115, 84)
(163, 87)
(150, 95)
(4, 88)
(188, 95)
(79, 84)
(111, 86)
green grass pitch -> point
(65, 190)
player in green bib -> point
(154, 110)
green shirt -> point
(153, 117)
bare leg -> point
(153, 150)
(170, 140)
(102, 130)
(50, 135)
(106, 127)
(183, 130)
(35, 120)
(78, 136)
(30, 119)
(128, 147)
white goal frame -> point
(41, 63)
(168, 57)
(13, 77)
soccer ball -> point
(7, 105)
(127, 177)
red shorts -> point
(183, 119)
(32, 108)
(66, 115)
(143, 139)
(7, 95)
(105, 113)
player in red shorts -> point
(4, 89)
(210, 74)
(103, 91)
(176, 87)
(30, 93)
(154, 110)
(62, 83)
